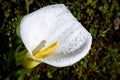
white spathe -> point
(47, 25)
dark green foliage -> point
(100, 17)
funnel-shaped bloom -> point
(54, 36)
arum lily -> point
(52, 35)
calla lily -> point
(52, 35)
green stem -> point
(27, 6)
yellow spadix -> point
(29, 63)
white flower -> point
(53, 25)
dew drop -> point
(57, 60)
(71, 59)
(72, 32)
(82, 33)
(77, 45)
(52, 60)
(70, 49)
(84, 36)
(77, 39)
(63, 52)
(70, 44)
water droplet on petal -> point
(70, 45)
(71, 59)
(70, 49)
(77, 45)
(77, 39)
(72, 32)
(82, 33)
(84, 36)
(57, 60)
(63, 52)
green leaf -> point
(11, 58)
(93, 31)
(49, 75)
(18, 25)
(89, 11)
(19, 54)
(37, 76)
(22, 74)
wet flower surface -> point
(52, 25)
